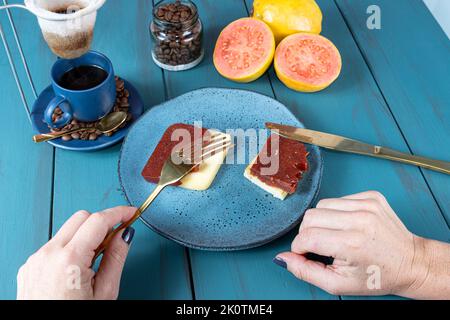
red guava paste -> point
(162, 152)
(291, 155)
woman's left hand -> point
(61, 269)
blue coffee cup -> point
(84, 105)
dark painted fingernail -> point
(128, 235)
(280, 262)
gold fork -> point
(175, 168)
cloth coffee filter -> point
(69, 34)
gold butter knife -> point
(338, 143)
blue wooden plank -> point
(25, 179)
(409, 58)
(156, 268)
(354, 107)
(235, 275)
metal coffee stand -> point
(12, 64)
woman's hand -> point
(374, 253)
(61, 269)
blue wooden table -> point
(394, 90)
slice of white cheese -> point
(274, 191)
(207, 171)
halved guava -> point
(307, 62)
(244, 50)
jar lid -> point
(178, 14)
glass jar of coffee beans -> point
(177, 32)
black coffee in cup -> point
(83, 78)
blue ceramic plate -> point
(233, 213)
(37, 118)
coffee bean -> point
(93, 136)
(184, 14)
(84, 135)
(66, 138)
(120, 85)
(75, 136)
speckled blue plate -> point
(233, 213)
(37, 120)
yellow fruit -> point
(286, 17)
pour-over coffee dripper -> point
(67, 25)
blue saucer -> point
(233, 213)
(37, 118)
